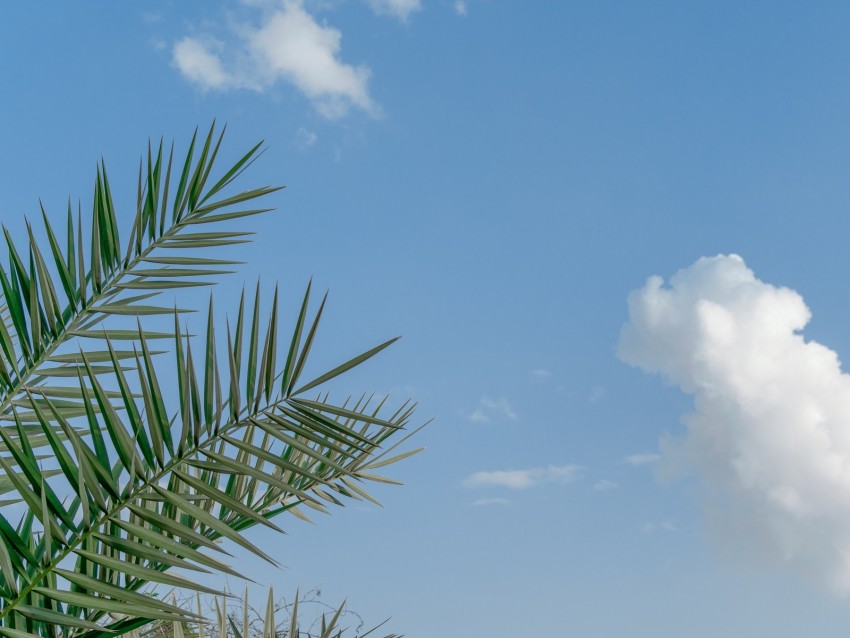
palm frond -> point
(55, 296)
(125, 486)
(277, 619)
(152, 489)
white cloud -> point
(663, 526)
(460, 8)
(540, 375)
(305, 137)
(290, 46)
(596, 394)
(200, 64)
(605, 485)
(769, 436)
(523, 479)
(400, 9)
(484, 502)
(499, 406)
(489, 408)
(641, 459)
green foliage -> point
(275, 620)
(120, 487)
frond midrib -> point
(85, 311)
(131, 496)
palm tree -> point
(118, 487)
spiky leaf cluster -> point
(124, 484)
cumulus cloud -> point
(199, 62)
(641, 459)
(289, 46)
(769, 437)
(523, 479)
(400, 9)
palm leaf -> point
(142, 506)
(52, 297)
(297, 619)
(141, 483)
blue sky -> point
(492, 180)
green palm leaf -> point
(138, 482)
(52, 297)
(142, 505)
(293, 620)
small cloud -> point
(540, 375)
(636, 460)
(304, 138)
(158, 44)
(668, 527)
(523, 479)
(460, 8)
(484, 502)
(488, 408)
(500, 406)
(400, 9)
(199, 62)
(290, 46)
(596, 394)
(605, 485)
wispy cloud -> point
(288, 46)
(401, 9)
(541, 374)
(768, 437)
(605, 485)
(663, 526)
(523, 479)
(489, 408)
(641, 459)
(305, 138)
(499, 406)
(460, 7)
(597, 393)
(485, 502)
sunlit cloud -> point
(288, 46)
(768, 438)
